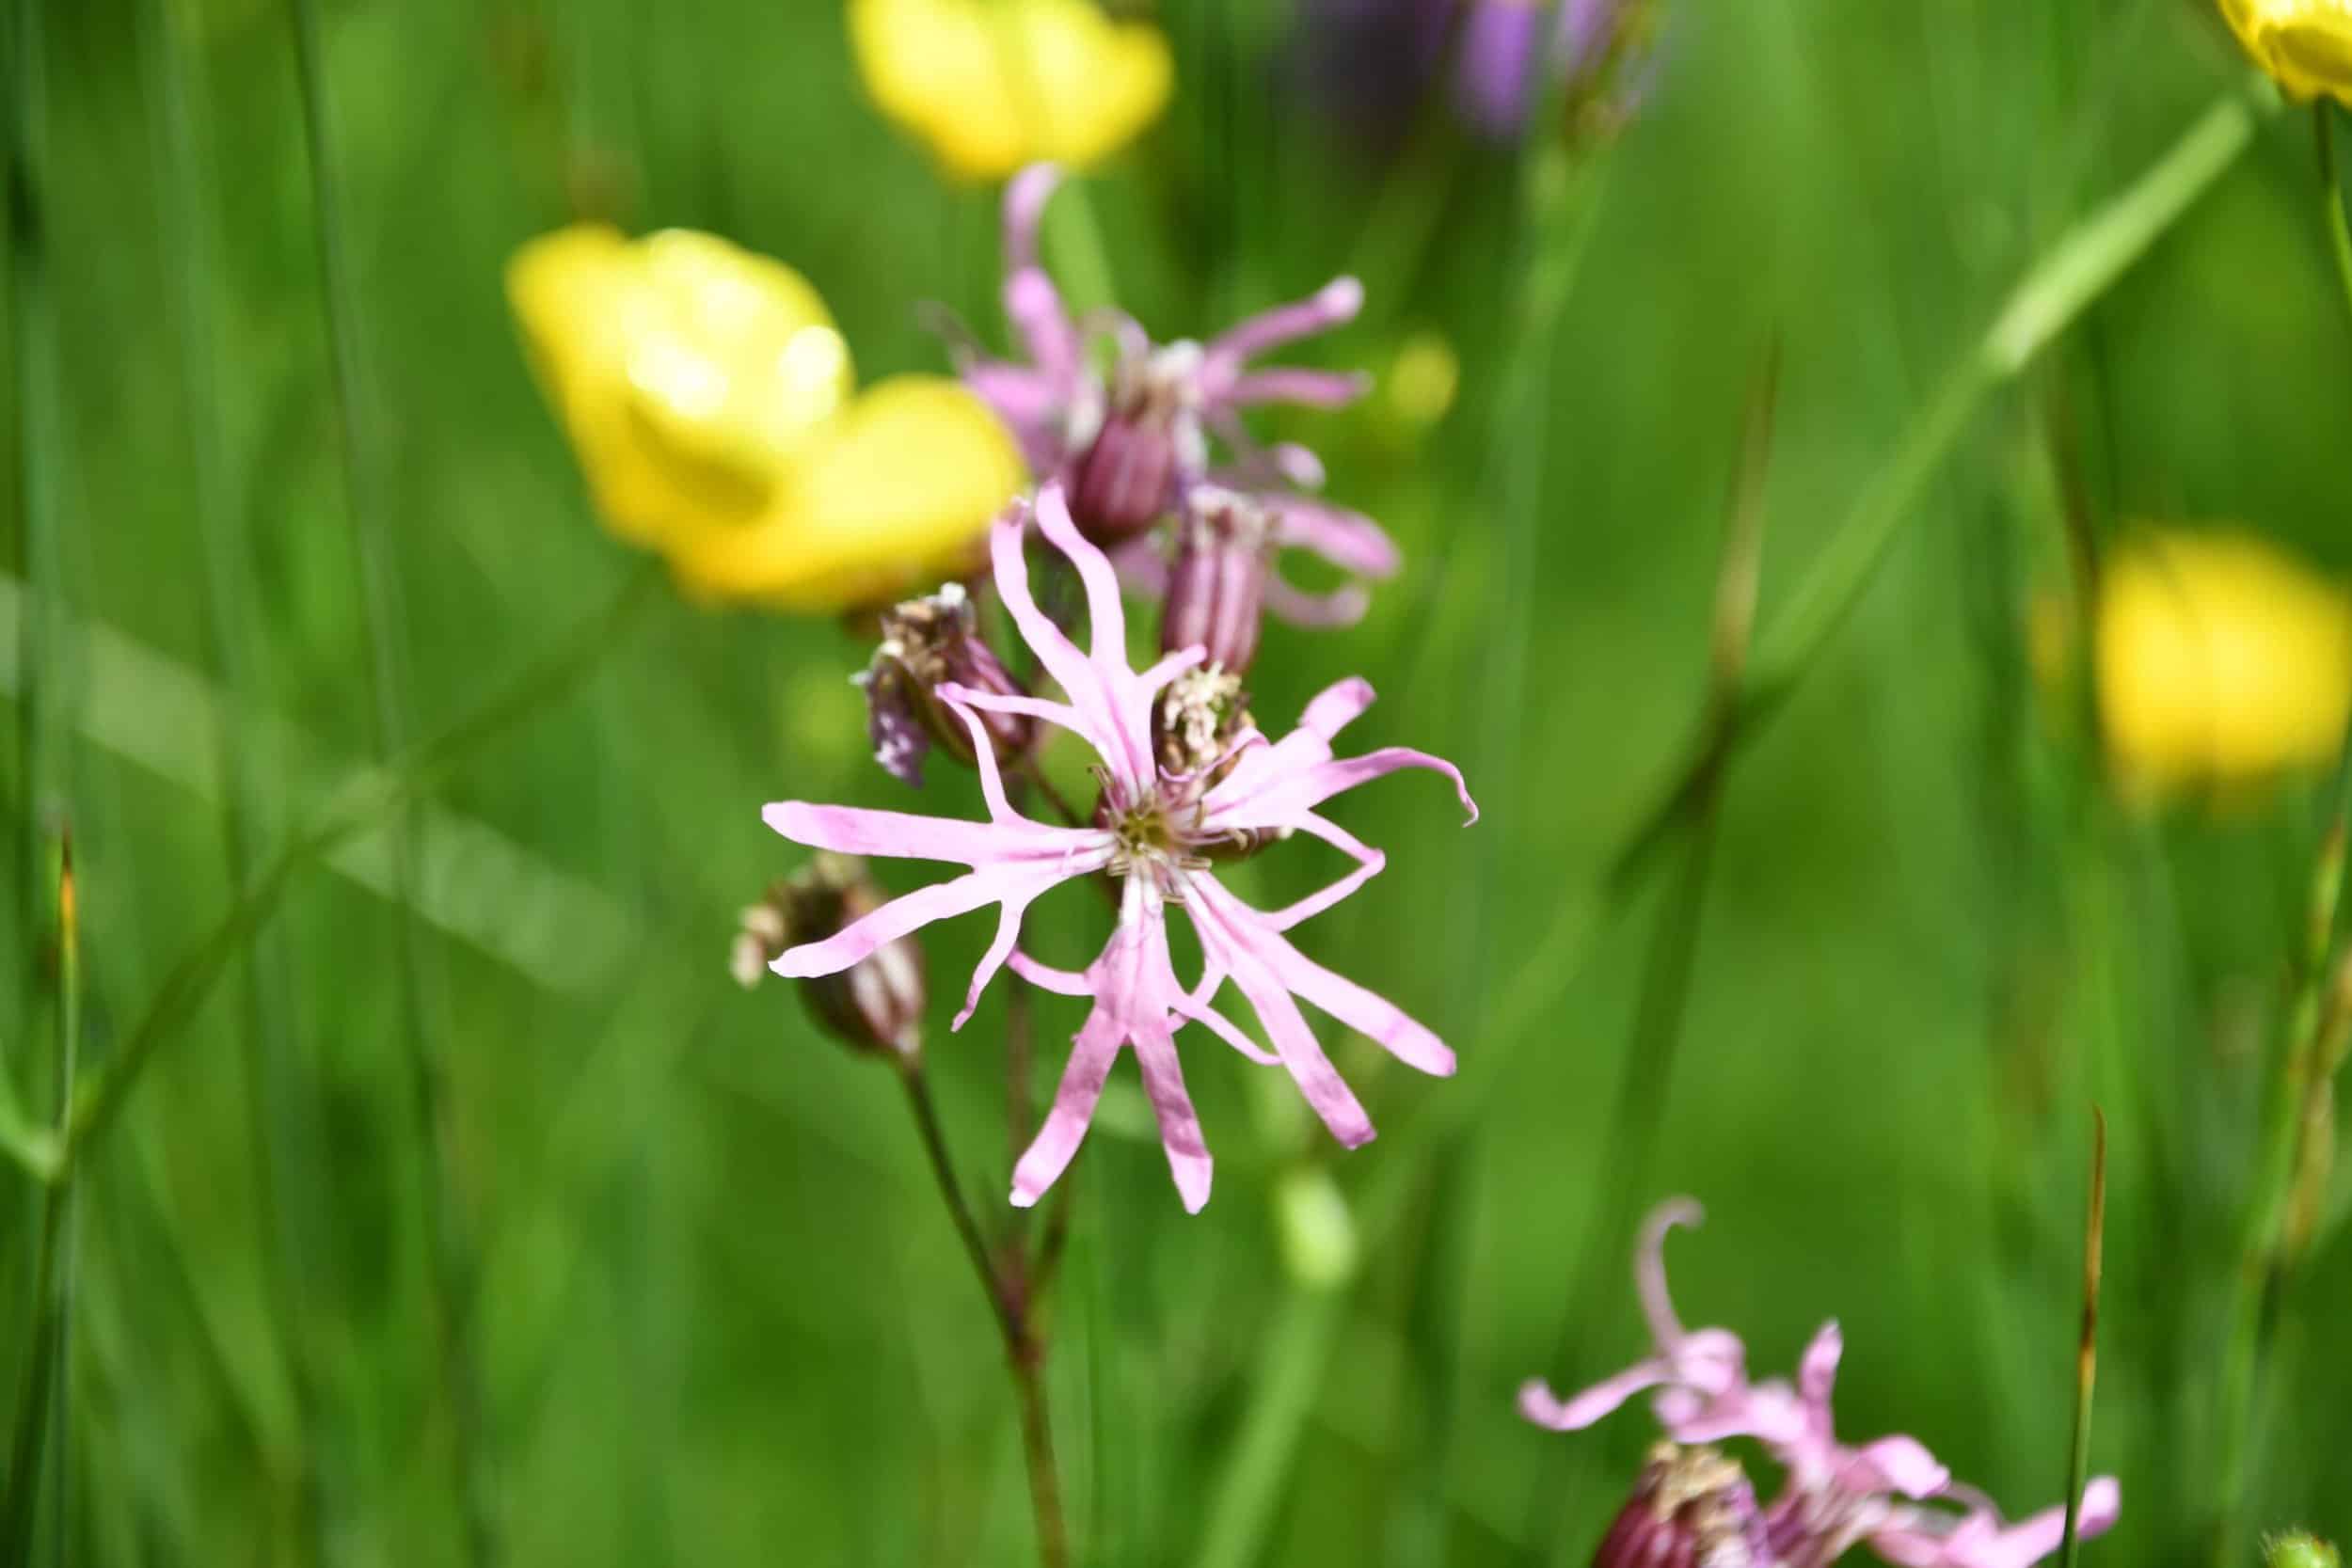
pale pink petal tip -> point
(1341, 298)
(1192, 1173)
(1539, 1404)
(1025, 195)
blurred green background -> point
(716, 1313)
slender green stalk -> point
(2331, 215)
(2068, 278)
(2087, 1348)
(1025, 1351)
(1283, 1396)
(2303, 1081)
(183, 193)
(19, 1509)
(356, 810)
(424, 982)
(2311, 1025)
(23, 175)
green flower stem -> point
(2331, 213)
(1025, 1351)
(1647, 1076)
(2087, 1348)
(2315, 1022)
(33, 369)
(51, 1258)
(359, 809)
(185, 192)
(1291, 1366)
(424, 982)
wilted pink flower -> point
(1129, 451)
(1834, 1496)
(1156, 828)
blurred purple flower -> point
(1368, 62)
(1156, 830)
(1130, 451)
(1834, 1496)
(1505, 48)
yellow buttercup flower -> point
(2305, 44)
(993, 85)
(2221, 661)
(712, 404)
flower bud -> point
(925, 643)
(1692, 1508)
(1194, 723)
(876, 1005)
(1216, 588)
(1148, 443)
(2299, 1550)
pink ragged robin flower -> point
(1129, 449)
(1166, 808)
(1891, 1495)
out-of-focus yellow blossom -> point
(993, 85)
(2220, 661)
(2305, 44)
(713, 407)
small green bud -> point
(2300, 1549)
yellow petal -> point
(901, 492)
(2221, 661)
(991, 87)
(2306, 45)
(692, 376)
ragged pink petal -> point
(1188, 1159)
(1341, 608)
(1062, 982)
(1375, 1017)
(1278, 801)
(1308, 389)
(1817, 1374)
(1982, 1541)
(1025, 195)
(1133, 985)
(863, 831)
(1348, 540)
(1539, 1404)
(1335, 303)
(1081, 679)
(1897, 1463)
(1035, 308)
(1234, 950)
(914, 910)
(1369, 864)
(1065, 1126)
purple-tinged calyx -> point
(1691, 1508)
(1150, 444)
(927, 643)
(874, 1005)
(1216, 586)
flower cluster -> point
(1891, 1495)
(1186, 780)
(1133, 448)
